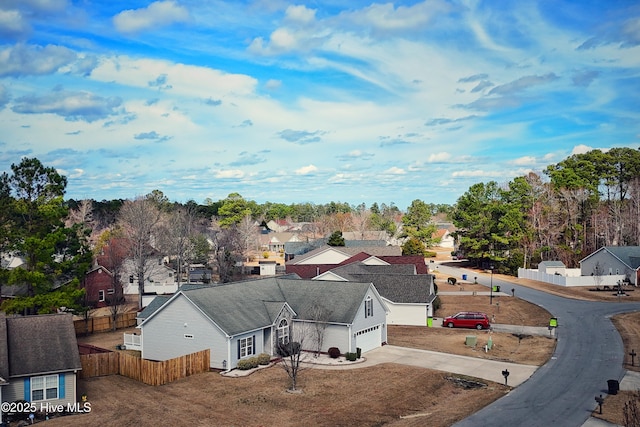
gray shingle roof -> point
(630, 255)
(245, 306)
(396, 283)
(155, 304)
(42, 344)
(4, 354)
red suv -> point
(467, 319)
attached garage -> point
(370, 338)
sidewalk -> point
(474, 367)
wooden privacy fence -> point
(146, 371)
(104, 323)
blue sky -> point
(313, 101)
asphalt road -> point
(562, 392)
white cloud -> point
(306, 170)
(473, 174)
(395, 171)
(160, 13)
(525, 160)
(23, 60)
(439, 157)
(230, 173)
(581, 149)
(300, 14)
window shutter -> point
(253, 346)
(371, 302)
(61, 386)
(27, 389)
(238, 349)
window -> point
(111, 291)
(368, 307)
(44, 388)
(283, 332)
(100, 295)
(246, 347)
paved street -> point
(561, 393)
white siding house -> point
(242, 319)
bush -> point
(429, 254)
(334, 352)
(286, 350)
(263, 359)
(248, 363)
(436, 304)
(265, 254)
(351, 357)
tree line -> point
(573, 208)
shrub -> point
(265, 254)
(351, 357)
(286, 350)
(263, 359)
(246, 364)
(334, 352)
(429, 254)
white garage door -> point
(370, 338)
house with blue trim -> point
(241, 319)
(39, 359)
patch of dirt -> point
(531, 350)
(613, 407)
(374, 396)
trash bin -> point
(464, 277)
(614, 386)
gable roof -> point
(551, 264)
(628, 255)
(42, 344)
(396, 283)
(240, 307)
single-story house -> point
(408, 296)
(613, 260)
(240, 319)
(39, 359)
(327, 257)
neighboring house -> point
(445, 239)
(408, 296)
(327, 257)
(238, 320)
(159, 278)
(552, 267)
(275, 241)
(39, 359)
(99, 286)
(199, 274)
(614, 260)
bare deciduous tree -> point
(248, 234)
(176, 234)
(138, 219)
(227, 251)
(291, 357)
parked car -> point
(467, 319)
